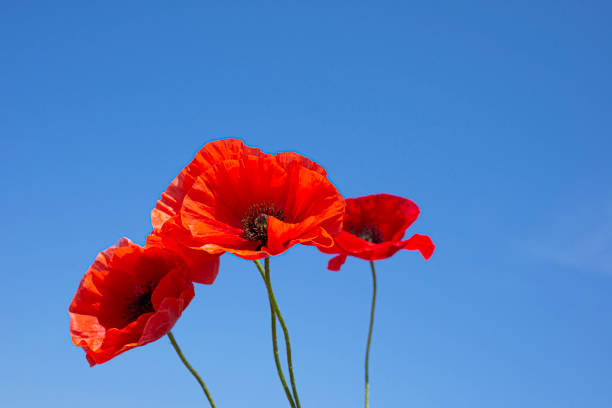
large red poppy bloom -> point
(374, 226)
(129, 297)
(234, 198)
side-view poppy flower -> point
(130, 296)
(374, 226)
(373, 229)
(234, 198)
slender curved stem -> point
(285, 332)
(191, 369)
(367, 355)
(274, 339)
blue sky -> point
(493, 116)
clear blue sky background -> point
(494, 117)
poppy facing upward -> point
(129, 297)
(234, 198)
(373, 229)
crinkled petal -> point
(417, 242)
(114, 342)
(285, 159)
(170, 203)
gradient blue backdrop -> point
(494, 117)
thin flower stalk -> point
(277, 311)
(191, 369)
(279, 369)
(367, 354)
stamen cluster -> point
(255, 221)
(369, 233)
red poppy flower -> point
(374, 226)
(129, 297)
(234, 198)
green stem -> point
(367, 355)
(285, 333)
(190, 368)
(279, 369)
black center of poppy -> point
(140, 303)
(255, 221)
(369, 233)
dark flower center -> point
(369, 233)
(255, 222)
(140, 303)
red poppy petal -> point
(280, 234)
(286, 158)
(83, 328)
(213, 249)
(87, 298)
(321, 240)
(162, 320)
(351, 243)
(248, 254)
(310, 193)
(225, 149)
(205, 272)
(334, 248)
(418, 242)
(123, 242)
(202, 266)
(115, 341)
(170, 203)
(336, 262)
(171, 200)
(154, 240)
(171, 285)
